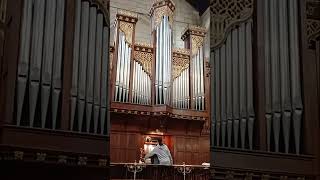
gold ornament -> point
(145, 59)
(179, 64)
(162, 8)
(196, 43)
(127, 29)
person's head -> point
(160, 141)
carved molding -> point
(225, 15)
(196, 35)
(180, 62)
(161, 114)
(128, 14)
(313, 21)
(181, 51)
(143, 54)
(18, 155)
(196, 43)
(127, 29)
(145, 59)
(41, 156)
(82, 160)
(162, 8)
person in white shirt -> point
(162, 152)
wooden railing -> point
(158, 172)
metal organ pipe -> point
(123, 69)
(282, 71)
(163, 62)
(233, 100)
(198, 79)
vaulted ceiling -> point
(200, 5)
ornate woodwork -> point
(283, 111)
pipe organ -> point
(163, 61)
(284, 106)
(158, 74)
(141, 88)
(233, 119)
(40, 62)
(89, 78)
(124, 66)
(193, 37)
(233, 114)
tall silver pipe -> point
(202, 78)
(75, 63)
(123, 50)
(90, 65)
(268, 103)
(157, 64)
(57, 63)
(161, 62)
(199, 79)
(23, 66)
(284, 72)
(229, 88)
(124, 73)
(218, 94)
(223, 95)
(83, 61)
(133, 82)
(118, 67)
(188, 87)
(242, 84)
(276, 107)
(297, 105)
(235, 86)
(36, 56)
(47, 60)
(97, 71)
(250, 83)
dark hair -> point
(160, 141)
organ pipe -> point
(163, 62)
(233, 115)
(283, 100)
(40, 60)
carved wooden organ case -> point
(157, 78)
(234, 122)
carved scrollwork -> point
(313, 21)
(145, 59)
(162, 8)
(41, 156)
(196, 42)
(181, 51)
(82, 161)
(127, 29)
(18, 155)
(179, 63)
(226, 14)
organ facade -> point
(159, 86)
